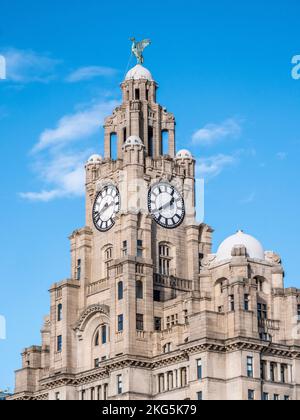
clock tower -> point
(144, 241)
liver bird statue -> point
(138, 48)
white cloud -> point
(211, 133)
(65, 172)
(212, 166)
(75, 126)
(26, 66)
(89, 73)
(58, 162)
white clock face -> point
(106, 207)
(166, 205)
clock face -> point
(106, 207)
(166, 205)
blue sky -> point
(224, 69)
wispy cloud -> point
(59, 160)
(72, 127)
(248, 199)
(64, 172)
(212, 166)
(212, 133)
(27, 66)
(89, 73)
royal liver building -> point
(149, 312)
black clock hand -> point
(106, 207)
(170, 204)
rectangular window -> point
(157, 324)
(96, 363)
(263, 366)
(251, 395)
(199, 368)
(272, 371)
(99, 392)
(199, 396)
(105, 392)
(120, 290)
(124, 249)
(298, 312)
(265, 396)
(231, 303)
(137, 94)
(286, 398)
(59, 344)
(139, 248)
(262, 311)
(57, 396)
(92, 394)
(83, 395)
(246, 302)
(119, 384)
(283, 369)
(156, 296)
(59, 312)
(276, 397)
(104, 334)
(120, 323)
(140, 322)
(250, 367)
(78, 270)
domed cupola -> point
(184, 154)
(253, 247)
(133, 151)
(139, 72)
(133, 141)
(94, 159)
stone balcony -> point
(269, 324)
(173, 282)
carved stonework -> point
(90, 311)
(272, 257)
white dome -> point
(94, 159)
(139, 72)
(184, 154)
(253, 247)
(133, 141)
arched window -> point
(164, 259)
(96, 341)
(120, 290)
(114, 146)
(139, 290)
(59, 312)
(164, 142)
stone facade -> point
(149, 312)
